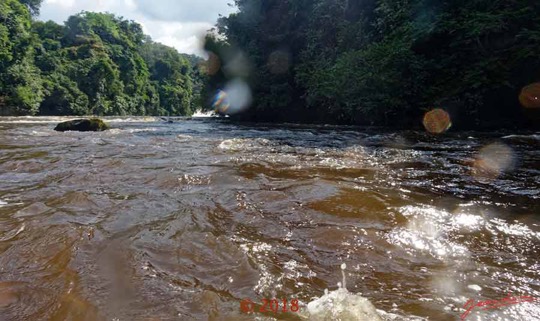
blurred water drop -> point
(237, 65)
(445, 285)
(221, 102)
(212, 64)
(238, 96)
(279, 62)
(437, 121)
(493, 160)
(530, 96)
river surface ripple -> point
(157, 221)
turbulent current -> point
(192, 219)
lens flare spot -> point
(437, 121)
(239, 96)
(530, 96)
(233, 99)
(279, 62)
(493, 160)
(221, 102)
(212, 64)
(237, 65)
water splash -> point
(342, 305)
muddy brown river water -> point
(155, 221)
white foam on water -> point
(33, 120)
(120, 131)
(467, 222)
(240, 144)
(532, 137)
(430, 230)
(135, 119)
(38, 133)
(142, 130)
(342, 305)
(497, 225)
(183, 138)
(475, 287)
(427, 232)
(433, 223)
(59, 119)
(2, 203)
(201, 114)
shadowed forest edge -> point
(366, 62)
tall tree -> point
(94, 64)
(21, 89)
(33, 6)
(382, 61)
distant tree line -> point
(93, 64)
(383, 62)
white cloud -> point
(183, 10)
(62, 3)
(176, 23)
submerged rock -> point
(83, 125)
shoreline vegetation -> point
(349, 62)
(94, 64)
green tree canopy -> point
(382, 61)
(97, 63)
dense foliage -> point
(94, 64)
(380, 61)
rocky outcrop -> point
(82, 125)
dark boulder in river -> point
(82, 125)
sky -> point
(176, 23)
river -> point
(182, 221)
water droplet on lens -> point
(529, 96)
(212, 64)
(493, 160)
(279, 62)
(437, 121)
